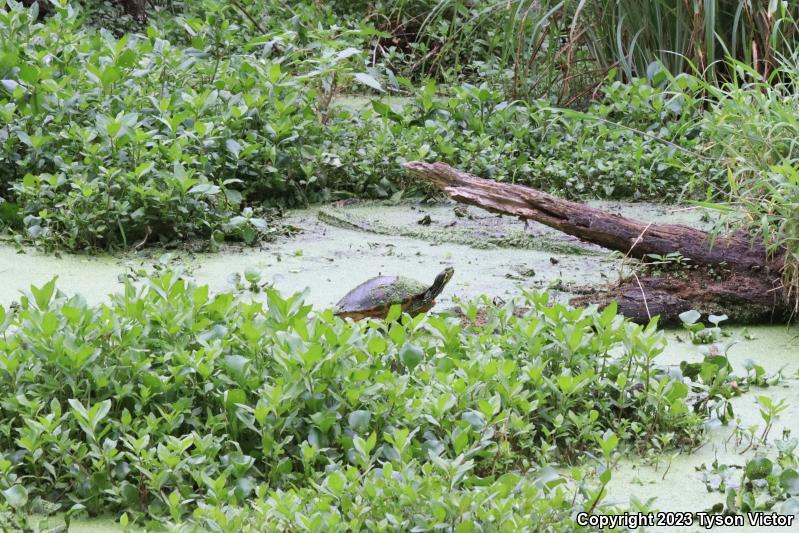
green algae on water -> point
(514, 239)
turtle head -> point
(444, 277)
(440, 282)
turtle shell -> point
(375, 296)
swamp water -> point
(341, 246)
(675, 482)
(492, 255)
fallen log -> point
(740, 279)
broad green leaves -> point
(174, 132)
(90, 418)
(43, 294)
(369, 81)
(16, 496)
(359, 420)
(411, 355)
(177, 397)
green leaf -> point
(236, 364)
(43, 294)
(365, 447)
(127, 58)
(233, 147)
(411, 355)
(16, 496)
(789, 481)
(233, 196)
(9, 85)
(714, 206)
(394, 312)
(49, 323)
(369, 81)
(274, 72)
(690, 317)
(233, 397)
(143, 169)
(384, 110)
(200, 295)
(376, 345)
(759, 468)
(205, 189)
(475, 418)
(261, 411)
(110, 76)
(336, 482)
(608, 443)
(29, 74)
(98, 412)
(717, 319)
(347, 53)
(359, 420)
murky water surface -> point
(674, 483)
(329, 260)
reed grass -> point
(572, 44)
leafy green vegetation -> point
(109, 141)
(763, 484)
(753, 125)
(531, 48)
(172, 404)
(577, 154)
(124, 124)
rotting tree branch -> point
(748, 291)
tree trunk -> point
(737, 278)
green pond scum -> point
(514, 239)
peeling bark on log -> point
(750, 290)
(748, 299)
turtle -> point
(374, 297)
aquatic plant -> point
(108, 141)
(753, 124)
(562, 51)
(766, 482)
(170, 403)
(170, 134)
